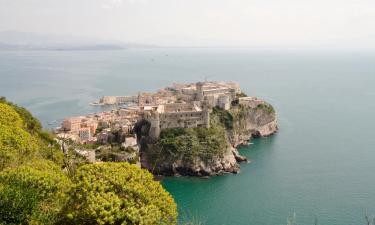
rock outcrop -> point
(198, 167)
(252, 122)
(229, 129)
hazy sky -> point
(252, 23)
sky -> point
(231, 23)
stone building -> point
(112, 100)
(145, 98)
(185, 115)
(250, 101)
(72, 124)
(216, 93)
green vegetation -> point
(118, 193)
(266, 107)
(241, 95)
(32, 193)
(16, 143)
(36, 182)
(189, 144)
(30, 123)
(21, 137)
(225, 117)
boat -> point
(96, 103)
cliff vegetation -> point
(187, 144)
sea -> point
(319, 168)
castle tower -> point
(232, 94)
(199, 93)
(154, 119)
(206, 113)
(139, 98)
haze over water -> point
(320, 164)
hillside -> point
(36, 187)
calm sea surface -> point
(320, 165)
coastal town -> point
(176, 106)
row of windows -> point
(179, 115)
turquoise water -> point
(320, 164)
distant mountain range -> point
(17, 40)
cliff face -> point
(251, 122)
(218, 165)
(207, 152)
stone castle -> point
(192, 107)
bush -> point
(18, 144)
(118, 193)
(266, 107)
(241, 94)
(189, 144)
(15, 143)
(32, 193)
(30, 123)
(225, 117)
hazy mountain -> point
(17, 40)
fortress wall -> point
(181, 119)
(178, 107)
(216, 91)
(251, 102)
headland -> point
(186, 129)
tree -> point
(33, 193)
(19, 144)
(15, 142)
(118, 193)
(31, 123)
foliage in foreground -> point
(35, 188)
(21, 138)
(32, 193)
(118, 193)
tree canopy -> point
(15, 142)
(189, 144)
(118, 193)
(32, 193)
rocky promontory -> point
(209, 151)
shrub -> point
(266, 107)
(241, 94)
(189, 144)
(18, 144)
(32, 193)
(118, 193)
(15, 142)
(31, 123)
(225, 117)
